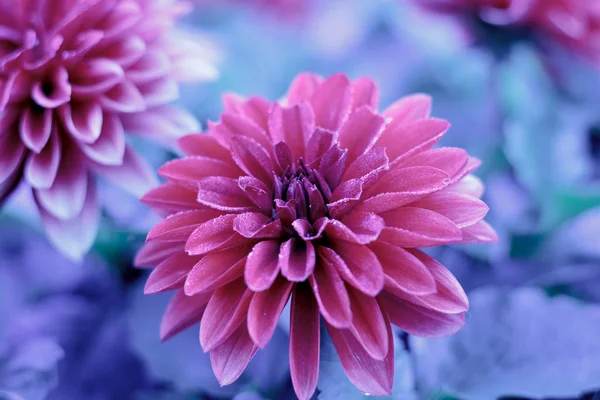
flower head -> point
(322, 200)
(573, 23)
(74, 76)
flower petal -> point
(303, 87)
(368, 324)
(41, 169)
(230, 358)
(480, 232)
(365, 93)
(213, 235)
(83, 120)
(223, 194)
(170, 274)
(356, 264)
(265, 310)
(360, 132)
(215, 270)
(257, 226)
(35, 127)
(109, 148)
(462, 209)
(331, 294)
(297, 259)
(331, 102)
(262, 265)
(182, 312)
(292, 125)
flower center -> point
(304, 191)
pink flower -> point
(323, 200)
(75, 75)
(573, 23)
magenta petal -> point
(319, 142)
(171, 197)
(368, 324)
(216, 234)
(230, 358)
(369, 167)
(150, 66)
(403, 270)
(159, 92)
(203, 145)
(182, 312)
(360, 132)
(95, 76)
(223, 194)
(53, 93)
(178, 227)
(233, 126)
(364, 93)
(409, 108)
(304, 342)
(83, 120)
(418, 227)
(469, 185)
(293, 126)
(257, 192)
(164, 123)
(35, 127)
(190, 170)
(253, 158)
(420, 321)
(356, 264)
(297, 260)
(369, 375)
(463, 210)
(11, 154)
(215, 270)
(126, 50)
(41, 169)
(255, 108)
(67, 195)
(331, 102)
(480, 232)
(225, 312)
(109, 148)
(125, 97)
(257, 226)
(170, 274)
(134, 174)
(331, 294)
(153, 253)
(262, 265)
(452, 161)
(365, 227)
(303, 87)
(73, 236)
(265, 310)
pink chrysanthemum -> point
(323, 200)
(74, 76)
(573, 23)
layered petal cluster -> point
(75, 75)
(573, 23)
(321, 201)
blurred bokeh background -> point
(519, 98)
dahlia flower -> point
(322, 201)
(573, 23)
(75, 75)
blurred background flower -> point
(520, 84)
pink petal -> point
(265, 310)
(223, 194)
(121, 17)
(360, 132)
(409, 109)
(255, 108)
(293, 126)
(368, 324)
(297, 259)
(331, 102)
(404, 140)
(257, 226)
(480, 232)
(95, 76)
(215, 270)
(401, 186)
(12, 152)
(304, 342)
(365, 93)
(170, 274)
(134, 174)
(125, 50)
(178, 227)
(365, 227)
(452, 161)
(224, 313)
(163, 123)
(230, 358)
(369, 167)
(462, 209)
(171, 197)
(159, 92)
(420, 321)
(319, 142)
(213, 235)
(331, 294)
(203, 145)
(74, 236)
(150, 66)
(418, 227)
(369, 375)
(469, 185)
(234, 125)
(261, 265)
(253, 158)
(35, 127)
(82, 120)
(153, 253)
(257, 192)
(109, 148)
(303, 87)
(54, 92)
(41, 169)
(182, 312)
(125, 97)
(403, 270)
(356, 264)
(192, 169)
(66, 197)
